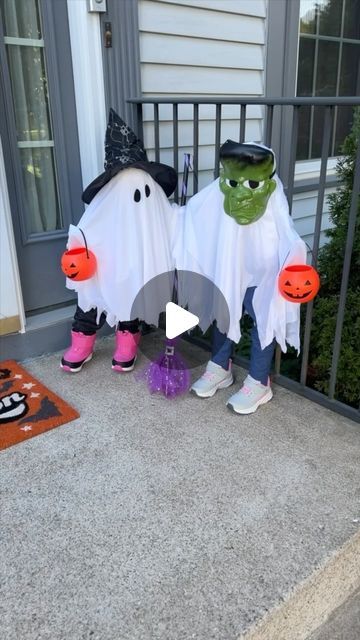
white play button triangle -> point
(178, 320)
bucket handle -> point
(86, 247)
(286, 257)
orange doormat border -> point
(27, 407)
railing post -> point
(139, 121)
(156, 133)
(217, 139)
(269, 122)
(176, 148)
(292, 160)
(319, 211)
(242, 122)
(290, 192)
(196, 148)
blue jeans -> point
(260, 359)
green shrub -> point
(323, 331)
(330, 265)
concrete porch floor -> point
(151, 519)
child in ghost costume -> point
(238, 233)
(127, 225)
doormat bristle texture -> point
(27, 407)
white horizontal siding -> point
(304, 215)
(201, 48)
(229, 130)
(201, 80)
(197, 50)
(244, 7)
(200, 22)
(206, 48)
(182, 50)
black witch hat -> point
(123, 150)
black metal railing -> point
(286, 112)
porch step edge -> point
(312, 602)
(40, 340)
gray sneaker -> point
(214, 378)
(251, 395)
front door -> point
(39, 136)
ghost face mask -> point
(247, 187)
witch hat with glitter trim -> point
(124, 150)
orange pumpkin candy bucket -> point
(299, 283)
(79, 263)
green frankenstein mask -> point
(246, 180)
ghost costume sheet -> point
(128, 226)
(235, 257)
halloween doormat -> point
(27, 407)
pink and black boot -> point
(80, 352)
(126, 350)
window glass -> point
(30, 93)
(326, 68)
(308, 16)
(350, 65)
(330, 17)
(39, 176)
(21, 18)
(328, 65)
(352, 19)
(305, 88)
(306, 67)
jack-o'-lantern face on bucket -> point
(299, 283)
(78, 264)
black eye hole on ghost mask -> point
(137, 195)
(147, 190)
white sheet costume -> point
(234, 257)
(128, 226)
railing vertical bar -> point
(139, 120)
(242, 122)
(176, 148)
(269, 123)
(345, 273)
(316, 240)
(156, 133)
(217, 139)
(196, 148)
(290, 193)
(277, 363)
(292, 159)
(322, 181)
(314, 84)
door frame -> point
(65, 134)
